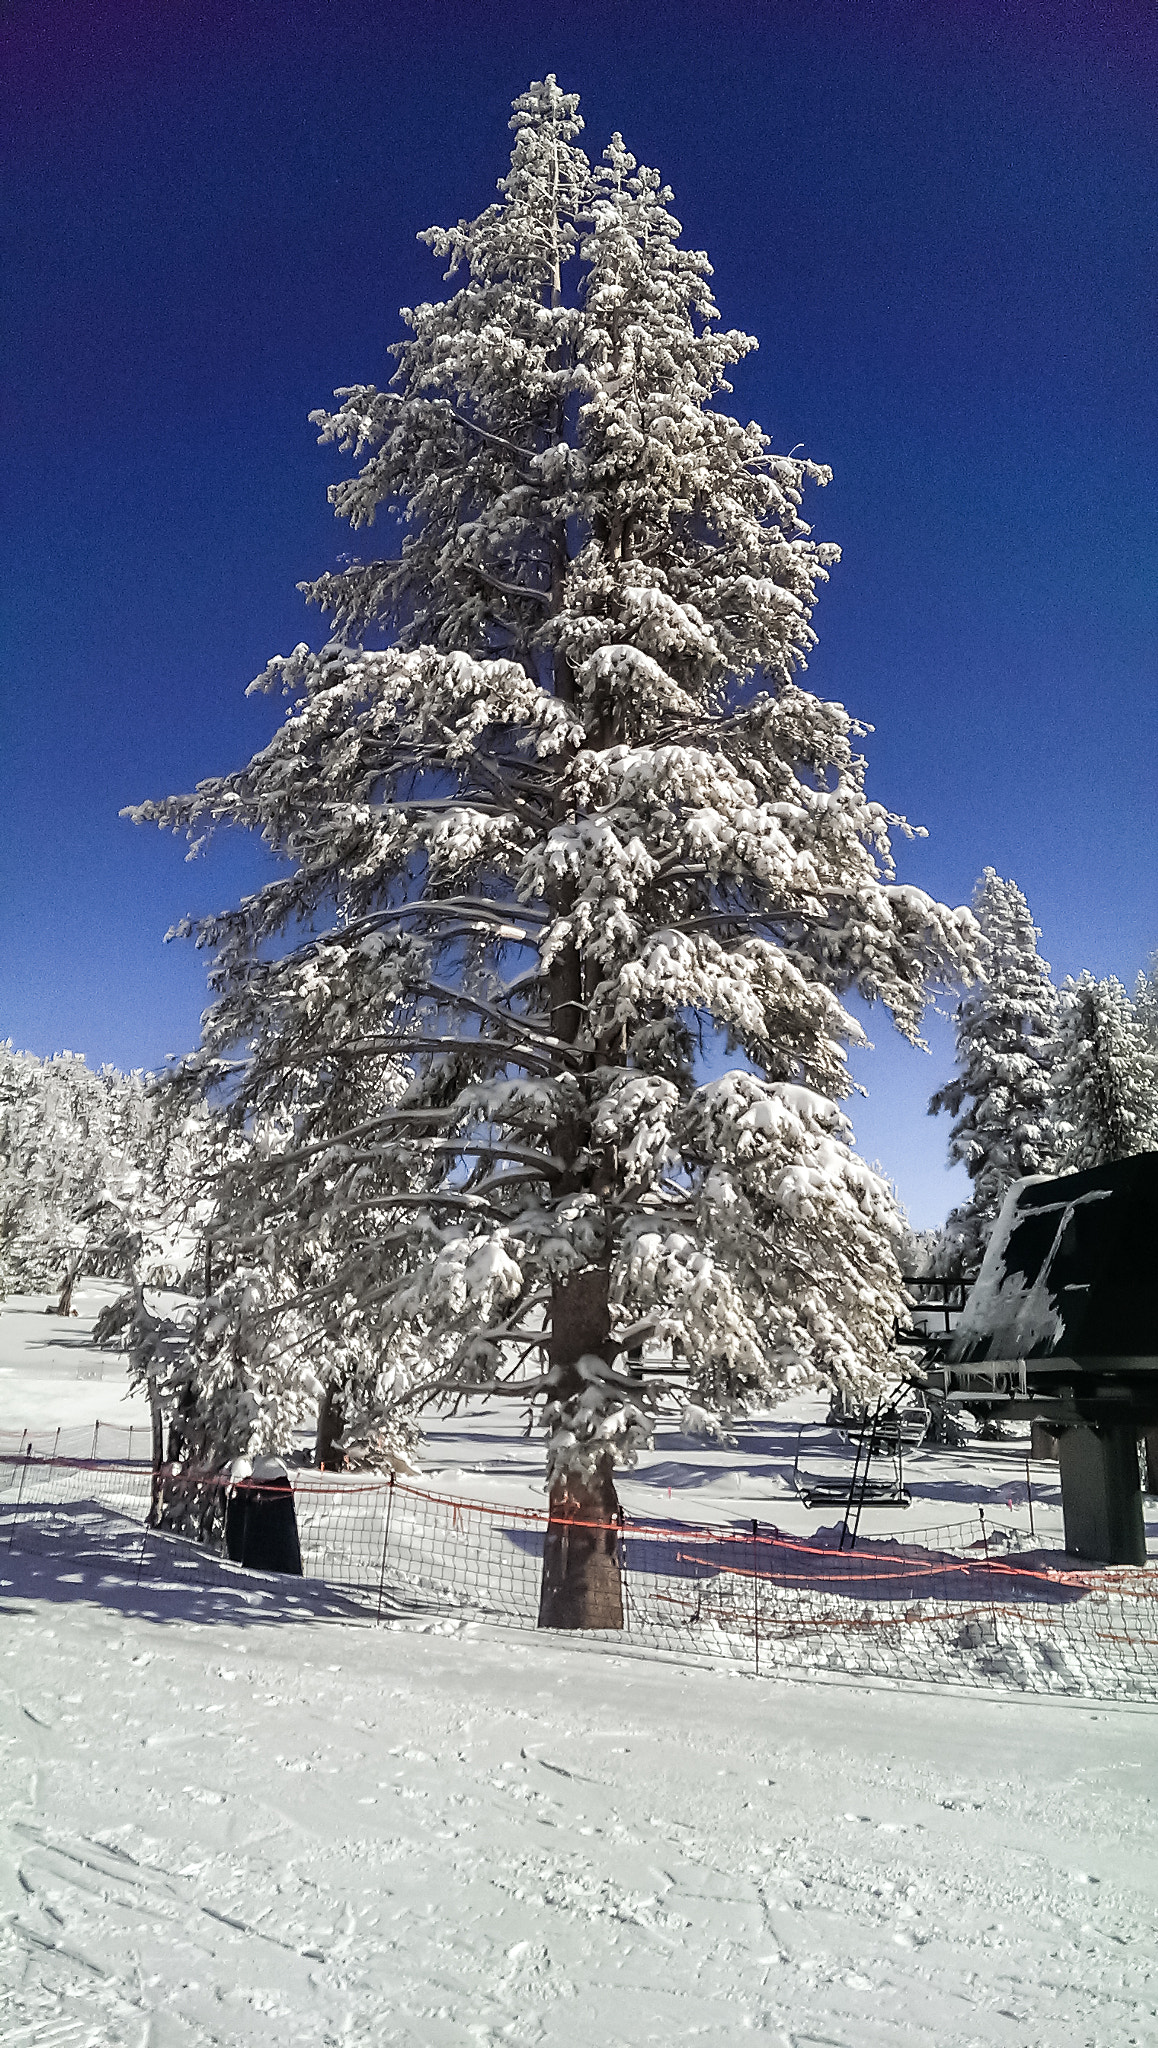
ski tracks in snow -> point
(250, 1833)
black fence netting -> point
(110, 1442)
(972, 1605)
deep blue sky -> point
(940, 220)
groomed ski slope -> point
(241, 1819)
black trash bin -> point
(261, 1524)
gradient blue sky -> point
(940, 220)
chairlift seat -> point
(842, 1492)
(907, 1426)
(851, 1484)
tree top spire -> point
(545, 105)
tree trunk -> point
(565, 986)
(183, 1424)
(582, 1585)
(331, 1422)
(64, 1305)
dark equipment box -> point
(1062, 1324)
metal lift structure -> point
(1061, 1325)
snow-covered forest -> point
(1049, 1079)
(97, 1175)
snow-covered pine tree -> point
(68, 1138)
(1001, 1097)
(574, 829)
(1106, 1076)
(1146, 1004)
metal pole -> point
(19, 1496)
(385, 1541)
(756, 1592)
(1029, 1496)
(157, 1436)
(864, 1476)
(95, 1433)
(852, 1481)
(988, 1573)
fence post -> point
(756, 1593)
(988, 1572)
(95, 1433)
(385, 1542)
(1029, 1496)
(19, 1496)
(622, 1551)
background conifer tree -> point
(1002, 1096)
(1146, 1004)
(1106, 1080)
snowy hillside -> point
(245, 1815)
(225, 1830)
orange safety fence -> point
(946, 1606)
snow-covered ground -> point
(254, 1818)
(52, 1378)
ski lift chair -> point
(852, 1484)
(903, 1425)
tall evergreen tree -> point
(1107, 1076)
(1001, 1097)
(1146, 1004)
(576, 824)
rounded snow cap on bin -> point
(269, 1468)
(240, 1469)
